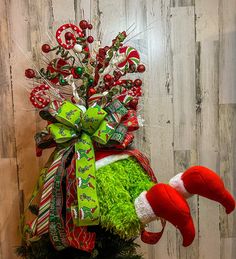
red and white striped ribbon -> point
(44, 207)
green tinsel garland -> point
(118, 184)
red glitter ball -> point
(68, 35)
(141, 68)
(133, 104)
(90, 26)
(90, 39)
(92, 91)
(46, 48)
(83, 24)
(29, 73)
(138, 82)
(108, 78)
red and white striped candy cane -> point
(131, 57)
(39, 97)
(69, 44)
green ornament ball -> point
(79, 70)
(62, 81)
(90, 81)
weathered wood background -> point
(189, 48)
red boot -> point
(165, 202)
(202, 181)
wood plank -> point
(184, 98)
(179, 3)
(7, 134)
(21, 35)
(208, 144)
(227, 101)
(110, 20)
(9, 194)
(207, 33)
(9, 213)
(207, 20)
(136, 12)
(228, 250)
(160, 110)
(227, 75)
(228, 166)
(84, 9)
(63, 12)
(183, 45)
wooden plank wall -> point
(189, 103)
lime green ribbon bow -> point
(85, 126)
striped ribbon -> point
(44, 207)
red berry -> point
(46, 48)
(90, 39)
(106, 48)
(29, 73)
(108, 78)
(141, 68)
(83, 24)
(138, 82)
(101, 52)
(133, 104)
(90, 26)
(68, 35)
(91, 92)
(124, 33)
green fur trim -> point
(118, 184)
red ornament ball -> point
(141, 68)
(68, 35)
(29, 73)
(138, 82)
(133, 104)
(90, 26)
(83, 24)
(108, 78)
(91, 92)
(46, 48)
(90, 39)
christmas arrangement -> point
(97, 192)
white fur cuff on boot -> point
(177, 183)
(143, 209)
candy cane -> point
(38, 96)
(71, 42)
(131, 57)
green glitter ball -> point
(90, 81)
(79, 70)
(62, 81)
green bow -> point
(86, 127)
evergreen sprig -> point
(108, 246)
